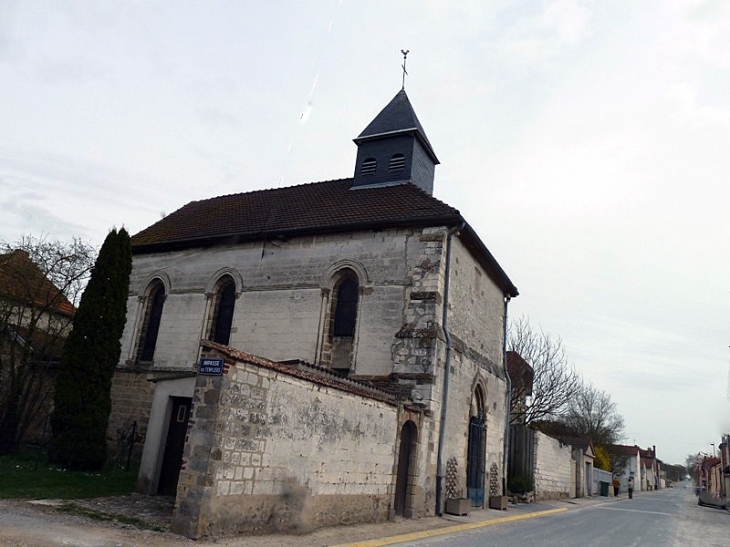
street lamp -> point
(713, 449)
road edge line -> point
(402, 538)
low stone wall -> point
(272, 449)
(552, 468)
(131, 398)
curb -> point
(447, 530)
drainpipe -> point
(509, 399)
(447, 367)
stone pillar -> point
(202, 454)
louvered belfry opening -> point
(369, 167)
(397, 163)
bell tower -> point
(394, 149)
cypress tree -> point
(82, 399)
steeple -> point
(393, 149)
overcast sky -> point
(587, 142)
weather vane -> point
(405, 54)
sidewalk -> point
(156, 512)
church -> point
(319, 354)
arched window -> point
(346, 307)
(479, 403)
(225, 301)
(151, 323)
(343, 320)
(368, 166)
(397, 163)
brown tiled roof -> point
(315, 208)
(320, 376)
(623, 449)
(648, 453)
(22, 281)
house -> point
(714, 476)
(35, 319)
(626, 463)
(712, 487)
(650, 469)
(724, 453)
(326, 353)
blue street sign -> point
(211, 367)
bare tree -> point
(592, 414)
(692, 465)
(40, 283)
(554, 383)
(675, 472)
(618, 462)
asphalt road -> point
(668, 518)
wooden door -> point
(405, 467)
(174, 445)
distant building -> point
(35, 320)
(642, 464)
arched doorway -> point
(477, 450)
(403, 504)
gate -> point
(476, 461)
(521, 461)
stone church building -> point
(319, 354)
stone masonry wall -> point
(283, 295)
(476, 309)
(273, 452)
(131, 397)
(552, 468)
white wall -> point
(552, 468)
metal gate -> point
(476, 461)
(521, 461)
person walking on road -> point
(616, 485)
(631, 487)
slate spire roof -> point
(397, 117)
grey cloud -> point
(70, 69)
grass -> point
(27, 475)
